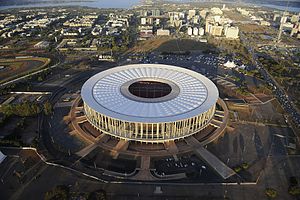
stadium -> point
(149, 103)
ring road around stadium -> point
(150, 103)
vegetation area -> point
(7, 89)
(26, 111)
(47, 107)
(239, 168)
(285, 74)
(62, 192)
(271, 193)
(14, 139)
(274, 67)
(254, 73)
(23, 109)
(231, 47)
(294, 188)
(242, 89)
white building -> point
(295, 18)
(201, 31)
(156, 12)
(157, 21)
(163, 32)
(190, 31)
(203, 13)
(195, 31)
(230, 65)
(216, 11)
(232, 32)
(191, 14)
(143, 21)
(265, 23)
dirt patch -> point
(148, 45)
(182, 45)
(168, 44)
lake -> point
(93, 4)
(290, 9)
(117, 4)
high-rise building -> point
(203, 13)
(190, 31)
(143, 13)
(191, 14)
(295, 18)
(143, 21)
(216, 30)
(232, 32)
(195, 31)
(201, 31)
(156, 12)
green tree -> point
(271, 193)
(60, 192)
(40, 79)
(24, 109)
(47, 107)
(98, 195)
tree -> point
(293, 187)
(24, 109)
(40, 79)
(271, 193)
(98, 195)
(47, 108)
(60, 192)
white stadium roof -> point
(196, 94)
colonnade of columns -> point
(148, 132)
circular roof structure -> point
(149, 93)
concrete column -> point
(152, 130)
(136, 129)
(157, 130)
(147, 131)
(142, 131)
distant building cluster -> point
(194, 23)
(25, 26)
(284, 21)
(68, 30)
(218, 25)
(108, 30)
(289, 23)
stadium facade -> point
(150, 103)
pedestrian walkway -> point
(85, 151)
(144, 171)
(223, 170)
(121, 146)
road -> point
(29, 75)
(279, 92)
